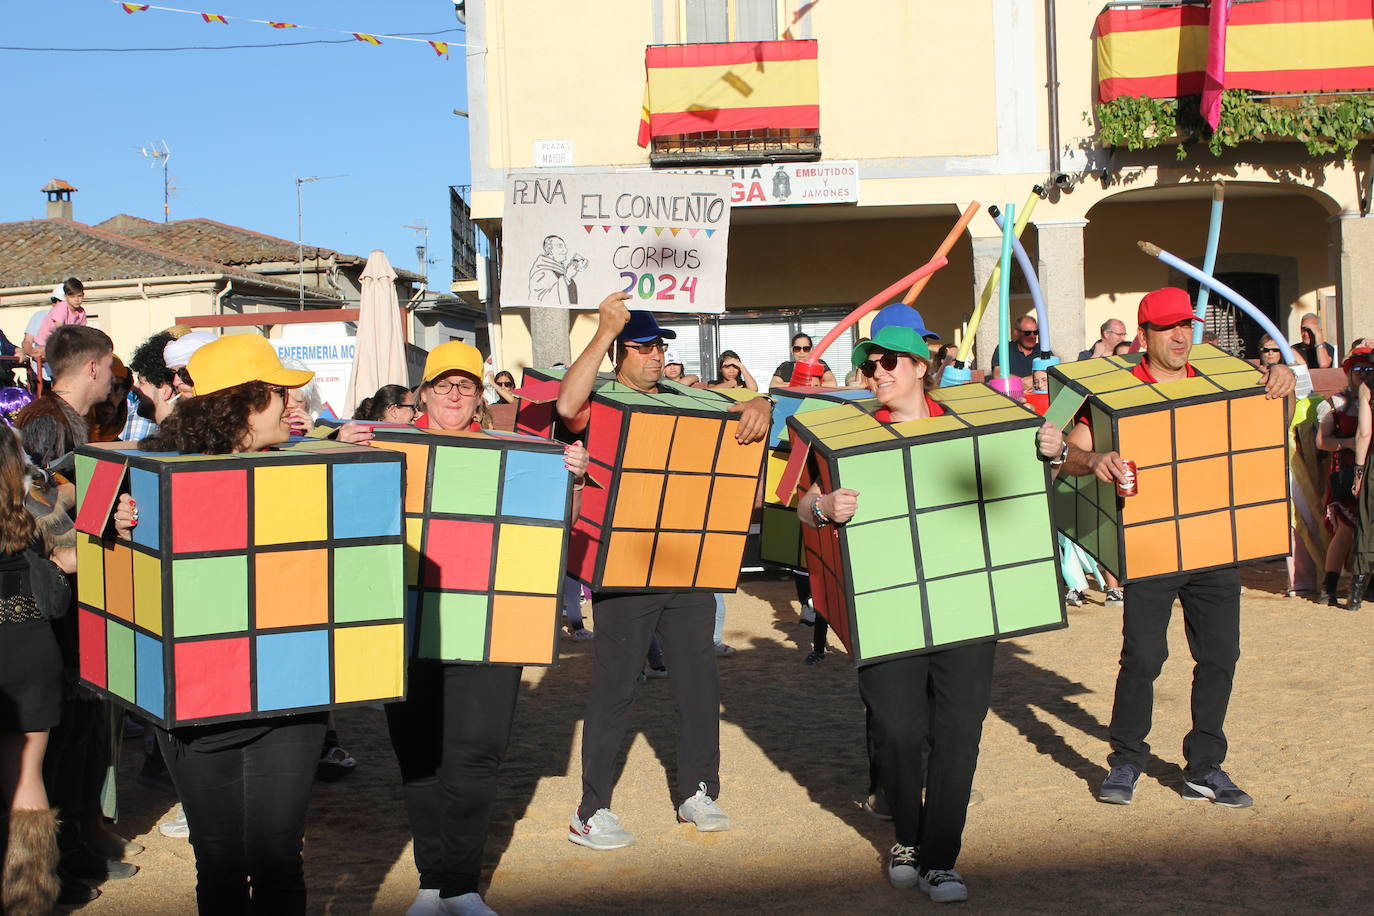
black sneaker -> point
(1119, 786)
(814, 658)
(1115, 598)
(944, 885)
(1217, 788)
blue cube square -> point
(364, 498)
(534, 485)
(293, 669)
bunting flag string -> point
(441, 48)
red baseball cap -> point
(1164, 307)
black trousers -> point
(685, 624)
(1211, 619)
(450, 736)
(941, 696)
(245, 804)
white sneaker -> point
(176, 826)
(808, 613)
(702, 810)
(944, 885)
(469, 904)
(601, 831)
(901, 868)
(426, 903)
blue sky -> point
(242, 124)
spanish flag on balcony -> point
(1271, 46)
(741, 85)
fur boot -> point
(30, 875)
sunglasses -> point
(1270, 350)
(646, 349)
(806, 349)
(506, 384)
(888, 361)
(279, 390)
(1029, 333)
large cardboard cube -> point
(953, 541)
(255, 585)
(1211, 467)
(676, 491)
(486, 521)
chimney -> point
(59, 199)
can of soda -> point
(1127, 486)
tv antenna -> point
(300, 234)
(421, 228)
(160, 157)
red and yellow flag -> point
(281, 25)
(134, 7)
(440, 48)
(370, 39)
(214, 17)
(730, 86)
(1270, 46)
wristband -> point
(1063, 456)
(821, 519)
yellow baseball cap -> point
(454, 356)
(238, 359)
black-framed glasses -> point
(805, 349)
(646, 349)
(506, 384)
(1270, 350)
(410, 407)
(887, 360)
(465, 386)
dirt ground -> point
(794, 772)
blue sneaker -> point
(1217, 788)
(1119, 786)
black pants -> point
(1211, 619)
(245, 804)
(685, 623)
(450, 737)
(941, 696)
(75, 763)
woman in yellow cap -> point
(244, 785)
(451, 731)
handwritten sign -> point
(570, 239)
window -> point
(706, 21)
(762, 340)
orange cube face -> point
(679, 492)
(1211, 468)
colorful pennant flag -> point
(281, 25)
(370, 39)
(440, 48)
(214, 17)
(134, 7)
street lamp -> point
(300, 235)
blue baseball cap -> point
(902, 315)
(642, 327)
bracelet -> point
(1063, 456)
(1359, 472)
(821, 519)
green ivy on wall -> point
(1323, 127)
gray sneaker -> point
(901, 868)
(601, 831)
(702, 810)
(1115, 597)
(1119, 786)
(944, 885)
(1217, 788)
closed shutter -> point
(761, 343)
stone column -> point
(987, 252)
(549, 342)
(1060, 268)
(1352, 265)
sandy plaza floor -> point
(1301, 730)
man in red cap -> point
(1210, 599)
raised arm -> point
(1362, 435)
(747, 378)
(576, 389)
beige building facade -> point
(937, 105)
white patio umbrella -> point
(380, 357)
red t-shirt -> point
(885, 415)
(1140, 370)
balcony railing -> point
(738, 146)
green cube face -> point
(951, 510)
(454, 626)
(211, 595)
(465, 481)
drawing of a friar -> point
(551, 275)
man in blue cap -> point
(625, 623)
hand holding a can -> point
(1109, 467)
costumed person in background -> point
(731, 373)
(627, 622)
(1360, 366)
(451, 731)
(1337, 426)
(941, 697)
(1210, 598)
(390, 404)
(33, 591)
(244, 786)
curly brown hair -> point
(16, 524)
(211, 424)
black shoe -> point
(335, 763)
(1119, 786)
(1217, 788)
(814, 658)
(74, 892)
(88, 866)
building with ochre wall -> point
(930, 106)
